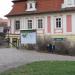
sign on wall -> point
(28, 37)
(58, 39)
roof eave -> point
(21, 14)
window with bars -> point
(58, 23)
(29, 24)
(17, 25)
(40, 23)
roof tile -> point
(41, 6)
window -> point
(17, 25)
(58, 22)
(31, 5)
(40, 23)
(69, 2)
(29, 24)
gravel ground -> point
(11, 57)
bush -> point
(65, 48)
(62, 47)
(28, 46)
(72, 51)
(42, 44)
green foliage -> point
(2, 36)
(42, 44)
(65, 48)
(28, 46)
(62, 47)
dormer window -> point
(68, 3)
(31, 5)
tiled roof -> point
(42, 6)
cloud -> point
(5, 7)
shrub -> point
(62, 47)
(65, 47)
(42, 44)
(72, 50)
(28, 46)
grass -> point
(44, 68)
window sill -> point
(31, 10)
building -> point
(3, 30)
(3, 24)
(52, 18)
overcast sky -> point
(5, 7)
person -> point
(53, 48)
(49, 47)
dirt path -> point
(11, 57)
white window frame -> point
(28, 24)
(29, 8)
(69, 2)
(17, 24)
(58, 23)
(39, 18)
(40, 23)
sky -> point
(5, 7)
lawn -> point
(44, 68)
